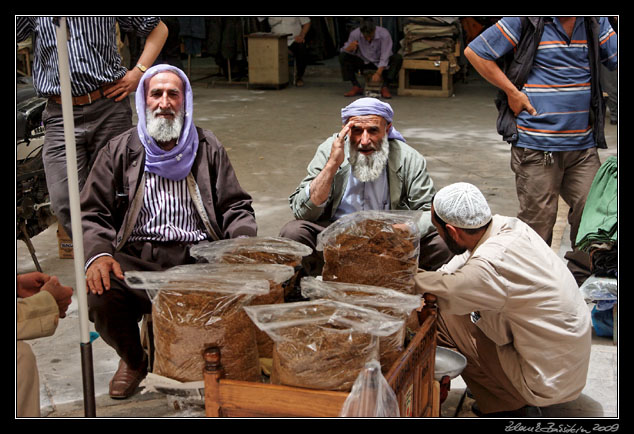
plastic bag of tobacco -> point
(384, 300)
(378, 248)
(322, 344)
(277, 275)
(193, 310)
(253, 250)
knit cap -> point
(462, 205)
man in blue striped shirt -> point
(100, 86)
(554, 150)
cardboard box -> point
(65, 244)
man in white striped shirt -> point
(152, 192)
(100, 86)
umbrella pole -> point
(75, 213)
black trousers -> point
(116, 313)
(300, 52)
(350, 64)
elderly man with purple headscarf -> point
(366, 166)
(153, 191)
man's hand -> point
(404, 227)
(124, 86)
(490, 70)
(518, 101)
(337, 152)
(352, 46)
(61, 293)
(29, 284)
(320, 186)
(98, 274)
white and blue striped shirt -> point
(168, 213)
(92, 50)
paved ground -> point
(270, 136)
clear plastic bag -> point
(252, 250)
(277, 275)
(321, 344)
(378, 248)
(384, 300)
(602, 290)
(193, 310)
(371, 395)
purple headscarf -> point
(371, 106)
(176, 163)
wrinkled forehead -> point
(368, 120)
(165, 79)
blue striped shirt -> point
(92, 50)
(558, 85)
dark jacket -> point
(517, 65)
(113, 194)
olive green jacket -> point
(410, 186)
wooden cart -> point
(411, 377)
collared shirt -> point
(359, 196)
(92, 50)
(377, 51)
(283, 25)
(558, 85)
(528, 303)
(168, 213)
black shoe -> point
(526, 411)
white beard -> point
(161, 129)
(368, 168)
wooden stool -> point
(372, 88)
(445, 89)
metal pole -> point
(75, 213)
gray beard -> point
(163, 130)
(368, 168)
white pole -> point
(75, 211)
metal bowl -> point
(448, 362)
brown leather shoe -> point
(125, 381)
(356, 90)
(385, 93)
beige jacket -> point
(529, 305)
(37, 316)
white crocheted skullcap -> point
(462, 205)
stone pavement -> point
(270, 136)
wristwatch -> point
(141, 67)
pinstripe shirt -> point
(92, 50)
(558, 85)
(168, 213)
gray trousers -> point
(433, 250)
(95, 124)
(539, 186)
